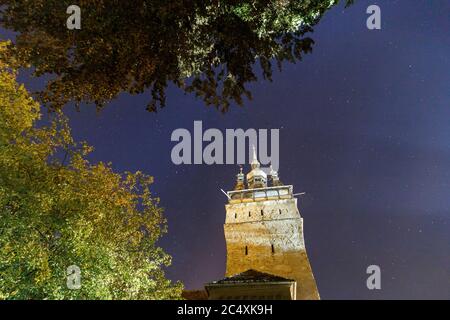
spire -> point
(272, 172)
(255, 162)
(240, 184)
(274, 178)
(256, 178)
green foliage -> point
(57, 210)
(211, 48)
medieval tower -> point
(264, 230)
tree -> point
(211, 48)
(58, 210)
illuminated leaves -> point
(57, 210)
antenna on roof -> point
(299, 194)
(226, 194)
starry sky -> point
(364, 130)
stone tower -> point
(264, 231)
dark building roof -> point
(252, 276)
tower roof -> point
(256, 170)
(252, 276)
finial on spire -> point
(240, 174)
(255, 162)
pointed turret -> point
(274, 179)
(256, 178)
(240, 183)
(255, 163)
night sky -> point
(364, 129)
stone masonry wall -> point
(268, 236)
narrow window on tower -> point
(273, 249)
(279, 210)
(249, 214)
(262, 212)
(246, 250)
(235, 215)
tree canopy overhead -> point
(211, 48)
(57, 211)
